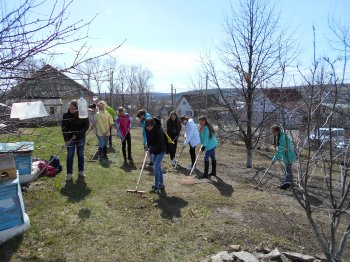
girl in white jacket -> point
(191, 137)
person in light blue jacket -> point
(142, 115)
(209, 143)
(285, 150)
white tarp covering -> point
(28, 110)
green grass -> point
(96, 220)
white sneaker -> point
(69, 177)
(81, 174)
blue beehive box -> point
(13, 219)
(22, 152)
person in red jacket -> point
(123, 125)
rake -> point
(195, 162)
(257, 186)
(136, 191)
(93, 156)
(178, 159)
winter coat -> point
(156, 138)
(173, 128)
(207, 142)
(73, 125)
(143, 124)
(103, 123)
(191, 134)
(123, 125)
(282, 149)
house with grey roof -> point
(51, 86)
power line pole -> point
(206, 94)
(172, 97)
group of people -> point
(100, 121)
(157, 142)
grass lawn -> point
(96, 220)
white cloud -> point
(168, 67)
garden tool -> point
(136, 191)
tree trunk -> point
(249, 137)
(249, 155)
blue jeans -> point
(210, 153)
(157, 169)
(102, 141)
(70, 155)
(288, 176)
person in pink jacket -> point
(123, 125)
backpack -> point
(55, 162)
(47, 170)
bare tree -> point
(251, 56)
(110, 68)
(121, 85)
(24, 38)
(323, 167)
(143, 85)
(85, 72)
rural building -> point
(194, 105)
(274, 104)
(51, 86)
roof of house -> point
(198, 101)
(48, 82)
(277, 95)
(288, 98)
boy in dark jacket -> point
(74, 128)
(156, 146)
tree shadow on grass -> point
(8, 248)
(224, 188)
(76, 191)
(84, 213)
(314, 201)
(170, 206)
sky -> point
(167, 37)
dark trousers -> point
(127, 140)
(172, 149)
(70, 155)
(110, 137)
(193, 154)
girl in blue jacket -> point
(209, 143)
(285, 150)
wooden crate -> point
(7, 167)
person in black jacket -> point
(156, 146)
(173, 125)
(74, 131)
